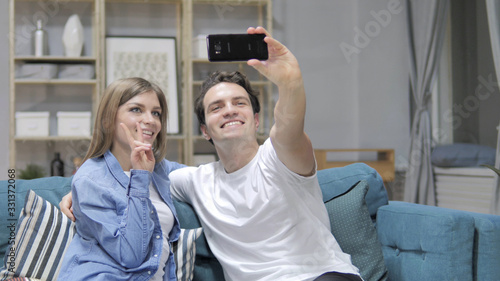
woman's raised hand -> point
(141, 156)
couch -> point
(386, 240)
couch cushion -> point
(354, 230)
(51, 188)
(422, 242)
(342, 179)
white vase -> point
(73, 37)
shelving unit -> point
(181, 19)
(54, 94)
(197, 21)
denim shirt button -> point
(149, 272)
(157, 236)
(155, 256)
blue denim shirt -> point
(110, 208)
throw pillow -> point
(43, 233)
(354, 230)
(463, 155)
(23, 279)
(185, 253)
(336, 181)
(51, 189)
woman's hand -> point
(141, 156)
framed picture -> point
(151, 58)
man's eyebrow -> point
(233, 99)
(214, 102)
(241, 98)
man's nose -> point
(230, 110)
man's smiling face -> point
(228, 113)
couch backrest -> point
(333, 182)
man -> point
(261, 206)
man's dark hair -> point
(219, 77)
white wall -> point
(354, 101)
(357, 93)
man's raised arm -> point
(291, 143)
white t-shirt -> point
(262, 222)
(167, 222)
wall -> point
(354, 62)
(354, 59)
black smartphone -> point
(236, 47)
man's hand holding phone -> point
(236, 47)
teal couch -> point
(402, 241)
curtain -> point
(426, 22)
(493, 10)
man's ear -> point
(203, 129)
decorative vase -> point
(40, 41)
(73, 36)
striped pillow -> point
(42, 235)
(23, 279)
(185, 253)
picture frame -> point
(151, 58)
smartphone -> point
(236, 47)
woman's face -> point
(143, 110)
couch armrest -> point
(426, 243)
(486, 246)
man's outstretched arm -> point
(291, 143)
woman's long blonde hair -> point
(116, 94)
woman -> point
(120, 193)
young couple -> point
(260, 206)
